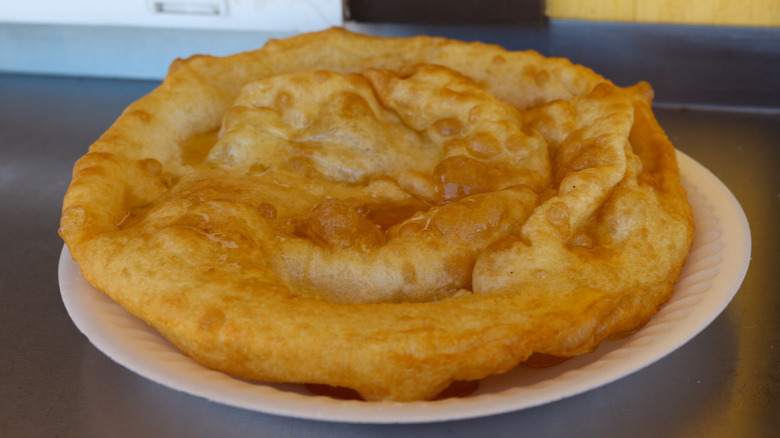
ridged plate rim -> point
(712, 275)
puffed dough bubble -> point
(389, 215)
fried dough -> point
(389, 215)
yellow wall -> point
(716, 12)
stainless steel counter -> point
(723, 383)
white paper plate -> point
(713, 273)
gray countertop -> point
(725, 382)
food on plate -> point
(389, 215)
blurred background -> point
(693, 51)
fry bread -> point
(389, 215)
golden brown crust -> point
(384, 214)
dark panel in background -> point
(446, 12)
